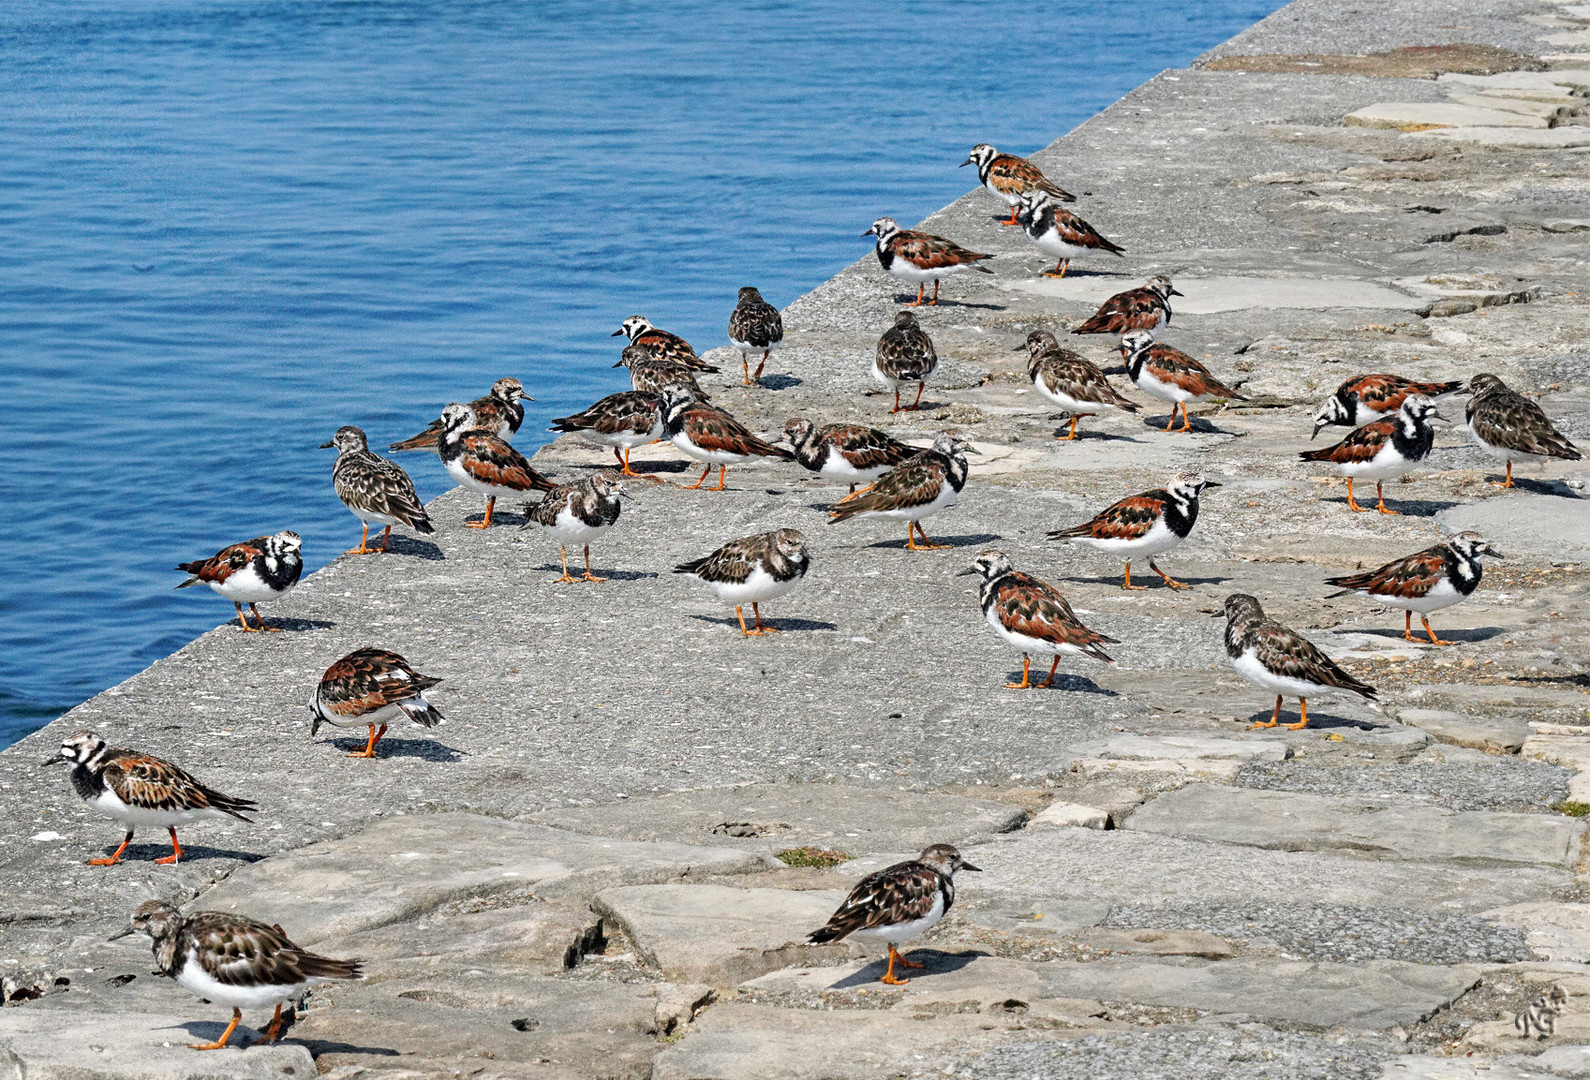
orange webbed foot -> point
(1263, 724)
(892, 980)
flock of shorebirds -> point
(240, 963)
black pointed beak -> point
(968, 448)
(1177, 292)
(1317, 428)
(619, 364)
(868, 233)
(314, 727)
(1212, 484)
(965, 163)
(1020, 348)
(973, 869)
(327, 445)
(125, 933)
(1493, 553)
(57, 759)
(617, 333)
(967, 572)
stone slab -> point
(772, 817)
(1048, 866)
(1566, 1060)
(54, 1044)
(536, 936)
(1157, 942)
(1560, 138)
(717, 935)
(1431, 1067)
(1558, 932)
(1071, 814)
(1543, 110)
(1292, 821)
(1514, 82)
(1375, 996)
(403, 866)
(1498, 735)
(1405, 115)
(1551, 526)
(1186, 748)
(1212, 295)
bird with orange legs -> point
(374, 489)
(707, 434)
(925, 484)
(482, 462)
(1281, 661)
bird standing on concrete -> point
(141, 789)
(896, 904)
(372, 687)
(1425, 581)
(661, 344)
(1383, 450)
(922, 257)
(1146, 308)
(905, 354)
(923, 485)
(753, 570)
(234, 962)
(1280, 660)
(1032, 616)
(374, 488)
(1170, 375)
(1010, 177)
(755, 326)
(483, 463)
(1071, 381)
(625, 420)
(1145, 525)
(850, 453)
(265, 568)
(1058, 231)
(1510, 427)
(500, 412)
(577, 513)
(1363, 399)
(710, 435)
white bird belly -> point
(1158, 539)
(1165, 391)
(107, 803)
(943, 501)
(1500, 453)
(386, 714)
(709, 457)
(1387, 464)
(456, 469)
(894, 935)
(196, 980)
(836, 467)
(759, 588)
(888, 382)
(1441, 595)
(1050, 241)
(1069, 403)
(569, 529)
(909, 271)
(1028, 644)
(1247, 665)
(244, 586)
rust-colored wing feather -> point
(492, 461)
(1172, 365)
(1034, 608)
(236, 951)
(866, 447)
(224, 563)
(1408, 578)
(1129, 519)
(714, 429)
(915, 482)
(934, 252)
(1292, 655)
(1360, 445)
(1135, 309)
(1014, 175)
(900, 893)
(151, 783)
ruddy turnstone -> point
(661, 344)
(370, 687)
(481, 462)
(905, 354)
(1142, 526)
(850, 453)
(141, 789)
(755, 327)
(708, 434)
(577, 513)
(500, 412)
(1425, 581)
(233, 962)
(1281, 661)
(1510, 427)
(649, 375)
(1383, 450)
(630, 419)
(1170, 375)
(920, 486)
(265, 568)
(1010, 177)
(921, 257)
(1146, 308)
(753, 570)
(1059, 232)
(1070, 380)
(896, 904)
(1033, 617)
(374, 488)
(1363, 399)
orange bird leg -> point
(1509, 481)
(921, 290)
(364, 543)
(563, 553)
(761, 628)
(1060, 268)
(1433, 639)
(1172, 582)
(263, 625)
(926, 544)
(1026, 675)
(1351, 504)
(745, 362)
(1172, 421)
(220, 1044)
(740, 614)
(921, 386)
(758, 374)
(115, 856)
(1128, 583)
(176, 850)
(247, 629)
(1046, 684)
(1302, 709)
(588, 575)
(888, 976)
(1012, 220)
(485, 522)
(903, 962)
(1275, 717)
(935, 299)
(723, 474)
(896, 401)
(1407, 625)
(703, 479)
(369, 750)
(1186, 422)
(386, 538)
(1380, 498)
(274, 1031)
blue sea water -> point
(231, 226)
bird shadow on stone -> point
(1467, 637)
(1200, 426)
(1078, 272)
(609, 574)
(1147, 577)
(320, 1047)
(1579, 679)
(1079, 684)
(909, 300)
(933, 963)
(499, 517)
(969, 540)
(1316, 720)
(778, 623)
(1084, 435)
(425, 749)
(415, 549)
(153, 850)
(1538, 487)
(1403, 506)
(777, 382)
(291, 626)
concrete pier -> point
(578, 874)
